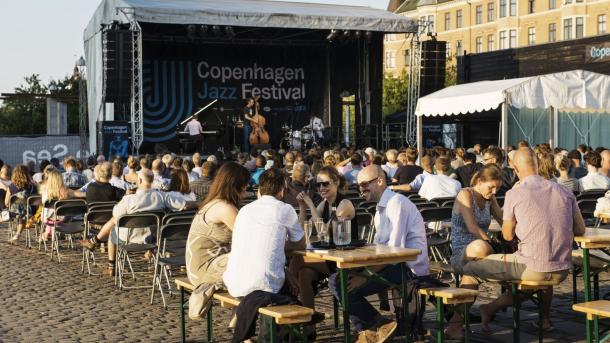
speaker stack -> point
(118, 69)
(432, 76)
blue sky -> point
(45, 36)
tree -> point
(27, 114)
(395, 92)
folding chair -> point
(587, 208)
(441, 201)
(33, 203)
(438, 239)
(150, 220)
(592, 194)
(98, 214)
(170, 235)
(178, 216)
(17, 212)
(421, 205)
(73, 208)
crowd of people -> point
(252, 207)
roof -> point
(250, 13)
(575, 89)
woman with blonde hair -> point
(52, 190)
(546, 166)
(132, 175)
(22, 187)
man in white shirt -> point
(391, 165)
(440, 185)
(317, 126)
(593, 179)
(415, 185)
(159, 182)
(398, 223)
(195, 130)
(263, 231)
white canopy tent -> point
(576, 90)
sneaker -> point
(366, 336)
(385, 331)
(87, 244)
(15, 238)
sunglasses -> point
(365, 184)
(324, 184)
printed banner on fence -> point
(21, 150)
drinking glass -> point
(321, 229)
(364, 232)
(308, 228)
(342, 232)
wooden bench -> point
(525, 288)
(279, 315)
(598, 262)
(594, 310)
(451, 296)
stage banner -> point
(115, 138)
(179, 79)
(24, 150)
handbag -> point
(502, 246)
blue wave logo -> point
(168, 97)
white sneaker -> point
(15, 238)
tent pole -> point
(553, 127)
(420, 134)
(504, 124)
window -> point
(479, 14)
(552, 4)
(422, 24)
(580, 25)
(458, 48)
(490, 12)
(502, 8)
(531, 35)
(567, 28)
(530, 6)
(503, 42)
(479, 45)
(458, 19)
(567, 2)
(390, 59)
(513, 8)
(390, 37)
(552, 32)
(448, 50)
(601, 24)
(490, 42)
(431, 23)
(512, 41)
(447, 21)
(407, 54)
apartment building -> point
(476, 26)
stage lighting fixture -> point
(217, 31)
(358, 34)
(203, 30)
(191, 31)
(230, 32)
(332, 35)
(368, 35)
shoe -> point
(385, 331)
(87, 244)
(366, 336)
(108, 271)
(15, 238)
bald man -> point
(544, 216)
(398, 223)
(605, 169)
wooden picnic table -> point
(370, 255)
(593, 238)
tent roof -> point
(253, 13)
(575, 89)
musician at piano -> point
(195, 131)
(248, 115)
(316, 125)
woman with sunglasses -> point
(328, 182)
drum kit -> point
(297, 139)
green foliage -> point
(27, 114)
(395, 93)
(451, 75)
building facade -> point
(476, 26)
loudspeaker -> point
(433, 60)
(118, 65)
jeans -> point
(362, 314)
(246, 144)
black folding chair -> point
(178, 217)
(73, 209)
(592, 194)
(33, 203)
(129, 222)
(170, 238)
(441, 201)
(422, 205)
(587, 208)
(97, 215)
(439, 238)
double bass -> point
(258, 135)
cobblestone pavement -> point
(44, 301)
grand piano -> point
(213, 133)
